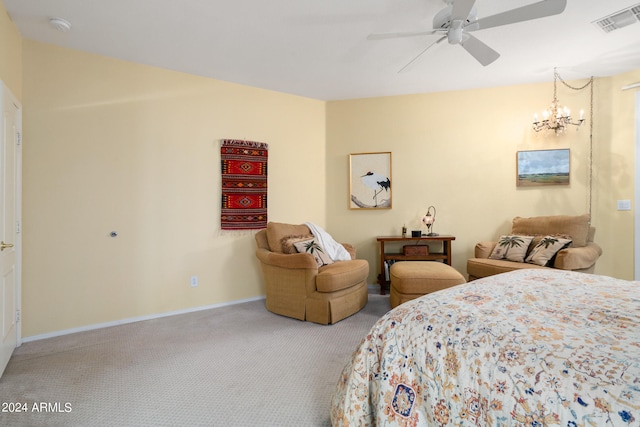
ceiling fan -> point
(459, 19)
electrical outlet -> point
(194, 281)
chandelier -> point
(556, 118)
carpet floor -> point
(238, 365)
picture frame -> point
(543, 167)
(370, 180)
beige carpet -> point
(232, 366)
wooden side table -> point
(444, 256)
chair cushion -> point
(577, 227)
(341, 275)
(277, 230)
(482, 267)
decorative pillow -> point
(314, 248)
(548, 247)
(539, 237)
(287, 242)
(512, 247)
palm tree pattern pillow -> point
(512, 247)
(314, 248)
(548, 247)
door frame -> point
(19, 223)
(5, 92)
(636, 213)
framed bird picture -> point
(370, 180)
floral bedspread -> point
(526, 348)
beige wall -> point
(10, 54)
(112, 145)
(457, 151)
(616, 172)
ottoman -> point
(412, 279)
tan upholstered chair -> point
(295, 285)
(580, 256)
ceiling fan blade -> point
(381, 36)
(408, 66)
(537, 10)
(461, 9)
(483, 53)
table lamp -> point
(428, 219)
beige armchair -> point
(295, 285)
(580, 256)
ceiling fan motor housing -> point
(442, 19)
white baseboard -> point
(135, 319)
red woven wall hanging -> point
(244, 185)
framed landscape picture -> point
(543, 167)
(370, 180)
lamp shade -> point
(428, 219)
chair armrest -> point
(484, 249)
(351, 249)
(286, 260)
(578, 258)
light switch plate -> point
(624, 205)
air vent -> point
(619, 19)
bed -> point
(525, 348)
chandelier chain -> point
(588, 83)
(555, 73)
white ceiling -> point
(318, 49)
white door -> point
(10, 171)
